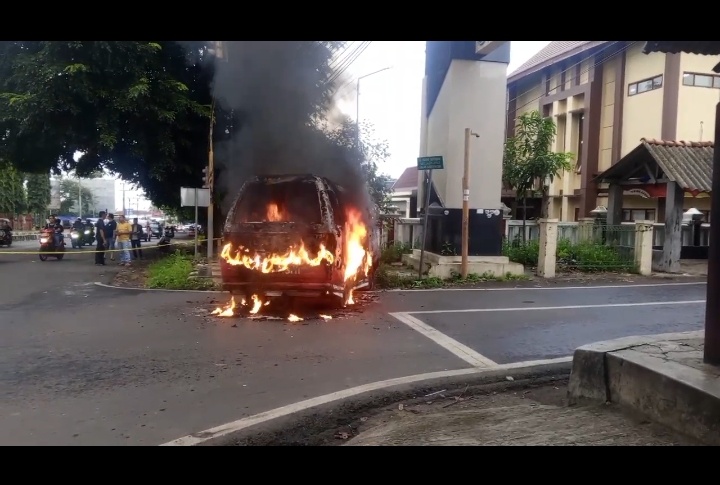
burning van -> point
(296, 235)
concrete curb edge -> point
(328, 411)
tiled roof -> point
(408, 179)
(687, 163)
(555, 51)
(701, 47)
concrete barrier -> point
(660, 376)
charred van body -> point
(288, 235)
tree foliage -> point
(38, 193)
(12, 190)
(139, 109)
(69, 190)
(529, 161)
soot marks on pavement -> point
(285, 309)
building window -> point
(632, 215)
(645, 85)
(701, 80)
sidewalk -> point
(532, 416)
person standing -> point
(110, 228)
(101, 245)
(123, 232)
(135, 239)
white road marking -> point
(456, 348)
(546, 288)
(569, 307)
(240, 424)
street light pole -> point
(466, 204)
(357, 103)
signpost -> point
(427, 164)
(191, 196)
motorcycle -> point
(164, 242)
(76, 239)
(88, 236)
(47, 245)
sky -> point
(390, 99)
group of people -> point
(121, 235)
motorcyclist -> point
(89, 226)
(78, 225)
(54, 224)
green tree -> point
(140, 109)
(12, 190)
(528, 161)
(38, 191)
(69, 190)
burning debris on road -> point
(278, 309)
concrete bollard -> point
(548, 247)
(643, 246)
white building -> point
(103, 190)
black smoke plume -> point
(281, 97)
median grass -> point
(172, 272)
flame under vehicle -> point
(296, 236)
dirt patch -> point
(530, 415)
(133, 276)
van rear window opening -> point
(292, 201)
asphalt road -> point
(87, 365)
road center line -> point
(456, 348)
(569, 307)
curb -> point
(681, 397)
(103, 285)
(313, 417)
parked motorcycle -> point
(47, 245)
(164, 243)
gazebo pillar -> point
(712, 302)
(615, 204)
(672, 246)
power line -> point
(351, 59)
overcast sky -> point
(391, 99)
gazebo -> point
(666, 170)
(712, 303)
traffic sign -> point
(430, 163)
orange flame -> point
(273, 213)
(228, 310)
(294, 318)
(256, 305)
(275, 263)
(326, 317)
(356, 254)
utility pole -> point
(466, 204)
(211, 183)
(123, 197)
(79, 197)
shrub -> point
(586, 256)
(172, 272)
(393, 252)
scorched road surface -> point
(82, 364)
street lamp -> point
(599, 212)
(357, 101)
(466, 204)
